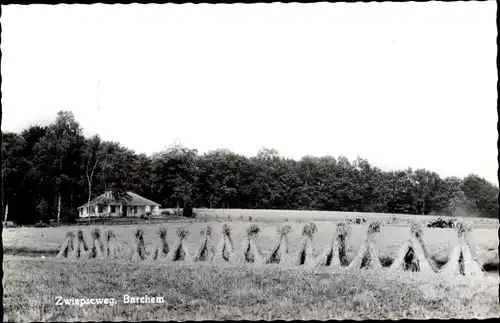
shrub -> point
(187, 211)
(9, 224)
(440, 223)
(165, 212)
(253, 230)
(67, 216)
(41, 224)
(178, 212)
(360, 220)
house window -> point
(81, 211)
(135, 209)
(99, 209)
(113, 209)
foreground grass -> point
(440, 242)
(198, 291)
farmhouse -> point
(106, 205)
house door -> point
(124, 208)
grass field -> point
(299, 215)
(47, 241)
(204, 291)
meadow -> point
(307, 215)
(204, 291)
(33, 277)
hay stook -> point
(68, 246)
(160, 247)
(412, 255)
(113, 249)
(225, 251)
(251, 252)
(97, 249)
(462, 259)
(279, 254)
(305, 255)
(139, 246)
(81, 248)
(343, 231)
(335, 254)
(367, 256)
(206, 251)
(180, 252)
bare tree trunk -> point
(59, 193)
(6, 211)
(89, 180)
(90, 194)
(59, 208)
(88, 202)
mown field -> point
(47, 241)
(204, 291)
(300, 215)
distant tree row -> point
(48, 171)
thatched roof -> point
(107, 199)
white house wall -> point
(154, 209)
(106, 210)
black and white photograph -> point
(319, 161)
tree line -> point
(48, 171)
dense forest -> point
(48, 171)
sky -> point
(400, 84)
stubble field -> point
(47, 241)
(205, 291)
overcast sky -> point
(400, 84)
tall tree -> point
(60, 150)
(426, 189)
(14, 167)
(175, 174)
(483, 196)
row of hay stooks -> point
(412, 256)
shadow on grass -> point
(385, 261)
(440, 262)
(29, 252)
